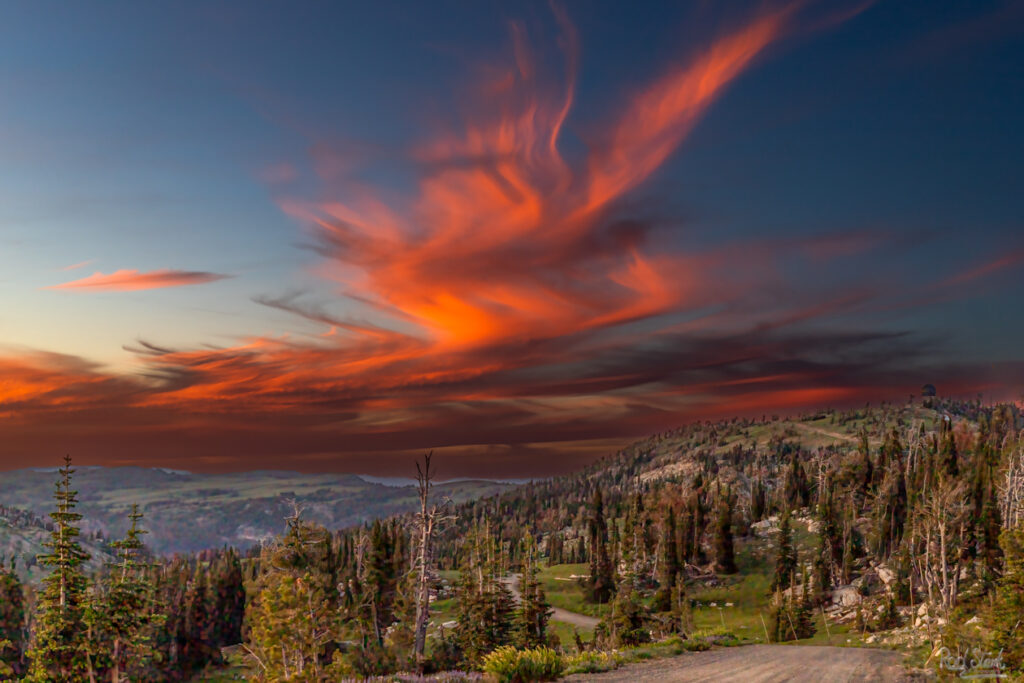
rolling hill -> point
(186, 512)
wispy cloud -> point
(80, 264)
(133, 280)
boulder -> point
(886, 575)
(847, 596)
(868, 582)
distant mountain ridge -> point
(186, 511)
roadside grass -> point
(566, 634)
(742, 601)
(565, 592)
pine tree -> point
(12, 620)
(725, 554)
(485, 603)
(228, 589)
(1005, 621)
(531, 621)
(798, 491)
(785, 563)
(682, 610)
(601, 583)
(949, 458)
(668, 564)
(129, 610)
(624, 625)
(60, 648)
(292, 618)
(865, 469)
(791, 618)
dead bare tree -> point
(427, 520)
(1011, 491)
(939, 523)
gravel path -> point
(764, 663)
(557, 613)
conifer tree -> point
(948, 455)
(624, 625)
(1006, 618)
(798, 491)
(601, 582)
(785, 563)
(292, 618)
(60, 649)
(725, 554)
(865, 469)
(531, 621)
(668, 564)
(792, 617)
(12, 620)
(228, 594)
(682, 610)
(129, 610)
(485, 604)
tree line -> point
(933, 496)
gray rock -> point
(847, 596)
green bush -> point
(511, 665)
(590, 662)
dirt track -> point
(763, 663)
(557, 613)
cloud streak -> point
(134, 280)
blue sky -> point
(856, 175)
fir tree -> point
(1006, 618)
(682, 610)
(531, 620)
(485, 603)
(725, 556)
(601, 582)
(12, 620)
(785, 563)
(668, 564)
(292, 618)
(624, 625)
(129, 610)
(60, 648)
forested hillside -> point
(188, 512)
(892, 524)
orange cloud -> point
(507, 241)
(132, 280)
(509, 299)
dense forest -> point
(903, 524)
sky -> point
(333, 236)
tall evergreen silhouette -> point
(60, 650)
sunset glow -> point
(543, 269)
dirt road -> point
(557, 613)
(763, 663)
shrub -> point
(590, 662)
(511, 665)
